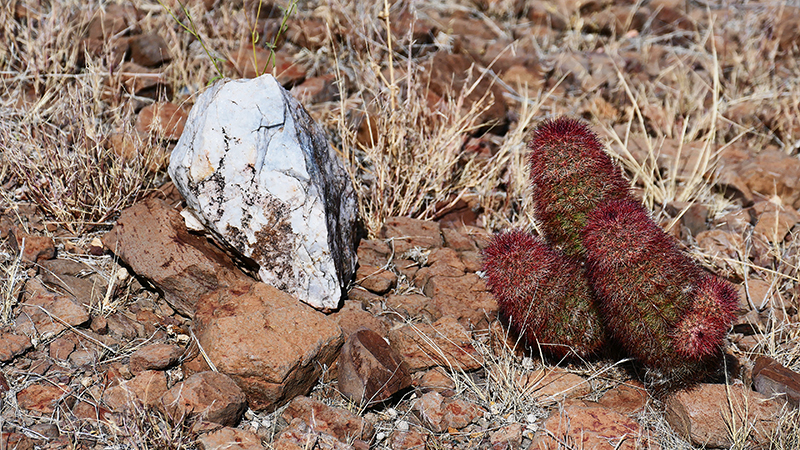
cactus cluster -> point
(604, 271)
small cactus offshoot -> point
(544, 295)
(571, 175)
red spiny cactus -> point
(544, 295)
(699, 334)
(661, 306)
(570, 174)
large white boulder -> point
(260, 174)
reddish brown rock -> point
(299, 434)
(589, 427)
(773, 173)
(42, 398)
(370, 371)
(774, 221)
(154, 357)
(163, 119)
(437, 380)
(627, 398)
(149, 50)
(457, 241)
(229, 439)
(72, 278)
(90, 411)
(34, 248)
(408, 440)
(352, 316)
(270, 343)
(508, 437)
(373, 252)
(144, 389)
(706, 414)
(109, 21)
(286, 71)
(375, 279)
(152, 239)
(444, 343)
(440, 413)
(406, 233)
(12, 345)
(321, 418)
(410, 306)
(465, 298)
(46, 313)
(553, 385)
(773, 379)
(316, 90)
(15, 441)
(211, 395)
(452, 75)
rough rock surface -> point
(261, 175)
(589, 427)
(440, 413)
(370, 371)
(273, 346)
(321, 418)
(152, 239)
(212, 395)
(706, 415)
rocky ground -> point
(113, 312)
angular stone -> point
(46, 313)
(437, 380)
(273, 346)
(457, 241)
(261, 175)
(143, 82)
(352, 317)
(230, 439)
(508, 437)
(373, 252)
(12, 345)
(154, 357)
(34, 248)
(152, 239)
(149, 50)
(440, 413)
(86, 289)
(299, 434)
(464, 297)
(144, 389)
(211, 395)
(705, 415)
(375, 279)
(444, 343)
(42, 398)
(407, 440)
(321, 418)
(412, 306)
(770, 378)
(406, 233)
(370, 371)
(590, 427)
(773, 172)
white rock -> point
(260, 174)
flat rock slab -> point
(705, 415)
(273, 346)
(441, 413)
(370, 371)
(445, 343)
(46, 313)
(589, 427)
(773, 379)
(151, 237)
(230, 439)
(260, 174)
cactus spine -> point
(543, 294)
